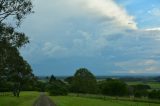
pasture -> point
(153, 85)
(82, 101)
(25, 99)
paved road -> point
(44, 101)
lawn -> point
(80, 101)
(25, 99)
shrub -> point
(113, 87)
(154, 94)
(56, 87)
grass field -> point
(80, 101)
(25, 99)
(153, 85)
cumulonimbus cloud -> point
(108, 9)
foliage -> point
(69, 79)
(40, 86)
(113, 87)
(56, 87)
(16, 9)
(84, 82)
(141, 87)
(154, 94)
(140, 90)
(14, 70)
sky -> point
(109, 37)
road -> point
(44, 101)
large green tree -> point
(13, 68)
(113, 87)
(84, 81)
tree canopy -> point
(113, 87)
(15, 9)
(56, 87)
(84, 81)
(13, 68)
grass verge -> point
(25, 99)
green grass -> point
(25, 99)
(81, 101)
(102, 97)
(153, 85)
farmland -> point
(152, 84)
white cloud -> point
(137, 63)
(111, 10)
(139, 66)
(153, 29)
(97, 28)
(58, 11)
(153, 32)
(52, 49)
(154, 12)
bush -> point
(140, 90)
(56, 87)
(154, 94)
(141, 93)
(113, 87)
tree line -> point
(84, 82)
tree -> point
(16, 9)
(154, 94)
(52, 79)
(140, 90)
(84, 81)
(40, 86)
(69, 79)
(56, 87)
(17, 70)
(113, 87)
(13, 68)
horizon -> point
(109, 37)
(79, 53)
